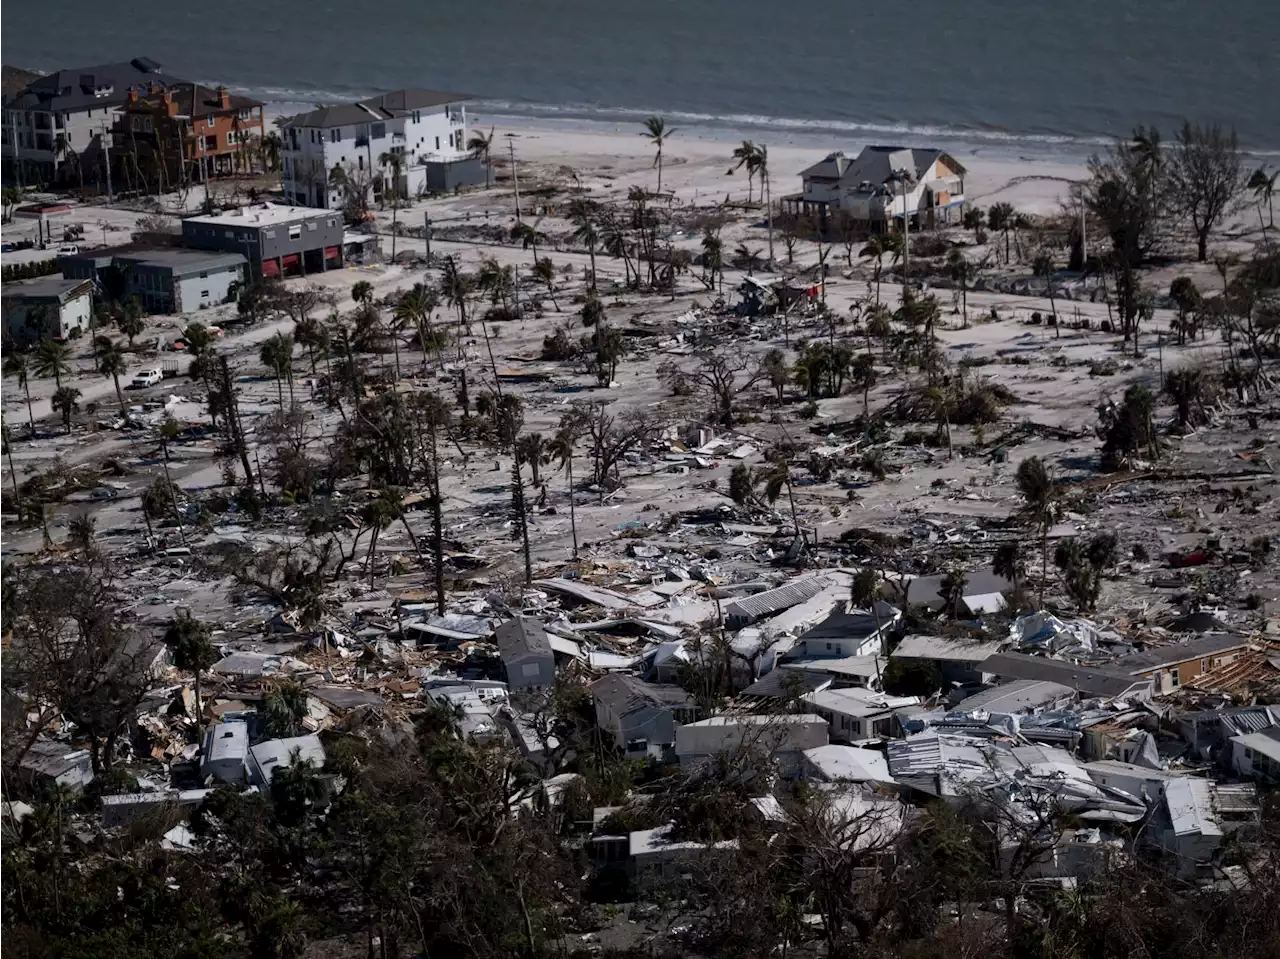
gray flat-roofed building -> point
(164, 279)
(277, 240)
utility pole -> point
(17, 160)
(1084, 242)
(768, 201)
(515, 177)
(906, 239)
(233, 421)
(106, 152)
(426, 233)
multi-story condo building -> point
(330, 150)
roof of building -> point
(783, 682)
(1190, 804)
(260, 215)
(876, 164)
(926, 591)
(46, 288)
(384, 106)
(858, 701)
(854, 624)
(625, 694)
(521, 636)
(835, 762)
(1266, 742)
(1115, 766)
(777, 599)
(947, 648)
(53, 759)
(860, 667)
(106, 85)
(1014, 697)
(183, 262)
(194, 99)
(227, 741)
(277, 753)
(1091, 680)
(1175, 653)
(16, 79)
(754, 719)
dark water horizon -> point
(1010, 76)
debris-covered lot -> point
(657, 597)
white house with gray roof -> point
(427, 128)
(48, 307)
(881, 184)
(527, 655)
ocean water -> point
(1017, 76)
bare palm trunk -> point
(573, 515)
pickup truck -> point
(145, 378)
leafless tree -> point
(1206, 177)
(717, 378)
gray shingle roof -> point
(876, 164)
(520, 636)
(1090, 680)
(78, 89)
(624, 694)
(1176, 653)
(384, 106)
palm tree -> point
(66, 400)
(958, 267)
(272, 145)
(457, 288)
(376, 516)
(749, 256)
(864, 593)
(580, 215)
(544, 271)
(18, 365)
(528, 236)
(7, 440)
(1040, 506)
(713, 258)
(655, 129)
(1007, 562)
(747, 156)
(277, 355)
(188, 641)
(1043, 268)
(284, 707)
(362, 292)
(561, 448)
(1001, 218)
(396, 162)
(1186, 295)
(1264, 190)
(535, 450)
(111, 363)
(53, 358)
(416, 307)
(131, 322)
(940, 400)
(481, 146)
(875, 249)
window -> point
(229, 234)
(211, 143)
(360, 161)
(204, 275)
(311, 226)
(437, 143)
(450, 141)
(246, 113)
(204, 294)
(210, 120)
(529, 669)
(378, 131)
(335, 135)
(332, 221)
(313, 135)
(295, 231)
(269, 234)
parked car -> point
(145, 378)
(68, 249)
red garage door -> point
(270, 267)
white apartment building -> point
(427, 128)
